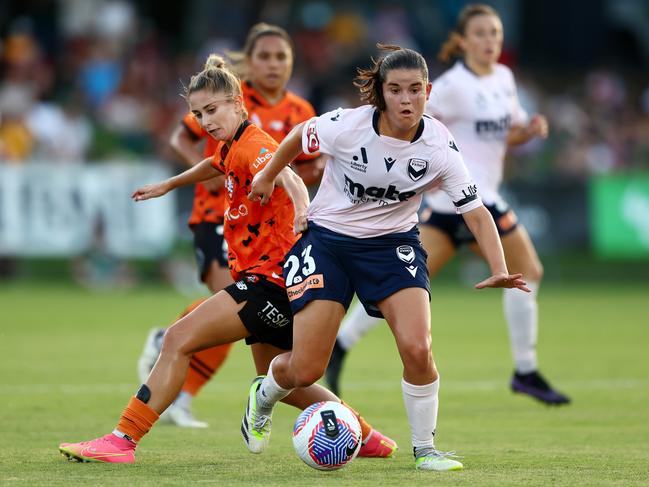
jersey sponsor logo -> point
(236, 213)
(272, 317)
(470, 194)
(241, 285)
(413, 270)
(493, 128)
(312, 141)
(358, 193)
(229, 186)
(315, 281)
(336, 117)
(417, 168)
(452, 145)
(361, 165)
(406, 253)
(264, 156)
(389, 162)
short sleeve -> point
(319, 134)
(258, 153)
(519, 115)
(218, 159)
(456, 181)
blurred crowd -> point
(103, 83)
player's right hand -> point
(261, 188)
(150, 191)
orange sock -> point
(192, 307)
(203, 365)
(366, 428)
(137, 419)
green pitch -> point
(68, 367)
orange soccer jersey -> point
(276, 120)
(279, 119)
(258, 236)
(208, 205)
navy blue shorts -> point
(209, 246)
(325, 265)
(453, 225)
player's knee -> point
(306, 375)
(173, 340)
(417, 356)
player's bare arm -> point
(296, 190)
(538, 127)
(482, 225)
(264, 181)
(200, 172)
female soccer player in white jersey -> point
(362, 238)
(477, 100)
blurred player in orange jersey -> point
(265, 65)
(256, 307)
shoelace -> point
(262, 422)
(432, 452)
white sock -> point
(356, 323)
(184, 400)
(521, 313)
(421, 405)
(270, 392)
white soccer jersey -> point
(372, 184)
(479, 111)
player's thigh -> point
(408, 314)
(217, 277)
(213, 322)
(315, 328)
(521, 255)
(439, 247)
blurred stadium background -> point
(89, 93)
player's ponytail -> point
(370, 81)
(216, 78)
(214, 61)
(451, 47)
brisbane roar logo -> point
(312, 141)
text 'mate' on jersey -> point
(258, 236)
(207, 205)
(479, 111)
(372, 184)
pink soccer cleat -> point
(107, 449)
(378, 445)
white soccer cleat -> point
(182, 417)
(150, 353)
(255, 427)
(431, 459)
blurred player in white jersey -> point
(362, 237)
(477, 99)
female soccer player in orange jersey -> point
(256, 306)
(265, 63)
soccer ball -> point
(327, 435)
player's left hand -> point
(503, 280)
(538, 126)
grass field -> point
(68, 367)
